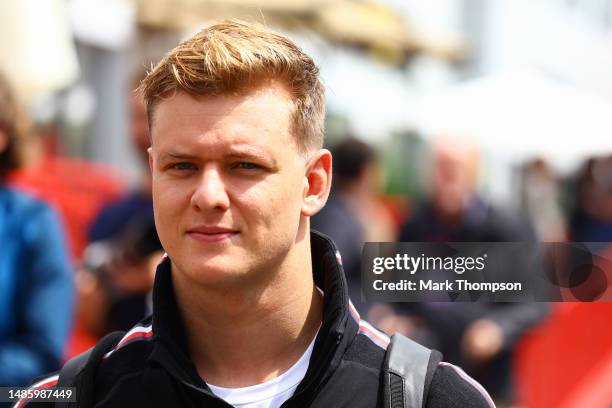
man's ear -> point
(318, 182)
(150, 152)
(3, 141)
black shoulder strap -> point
(407, 373)
(80, 370)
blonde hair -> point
(234, 56)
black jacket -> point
(151, 365)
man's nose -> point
(211, 192)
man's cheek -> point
(170, 198)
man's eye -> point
(246, 166)
(183, 166)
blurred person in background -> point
(117, 272)
(478, 336)
(36, 291)
(541, 201)
(353, 213)
(115, 217)
(591, 220)
(77, 188)
(117, 276)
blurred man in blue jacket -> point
(36, 292)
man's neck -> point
(245, 336)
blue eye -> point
(183, 166)
(247, 166)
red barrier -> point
(567, 362)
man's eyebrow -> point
(233, 153)
(177, 155)
(250, 153)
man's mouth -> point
(211, 234)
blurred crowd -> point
(80, 249)
(480, 337)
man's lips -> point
(211, 234)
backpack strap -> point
(80, 371)
(407, 373)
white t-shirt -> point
(270, 394)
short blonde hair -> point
(234, 56)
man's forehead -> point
(219, 104)
(265, 113)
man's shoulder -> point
(452, 387)
(115, 358)
(367, 349)
(123, 359)
(369, 346)
(130, 352)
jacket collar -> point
(338, 328)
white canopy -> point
(36, 45)
(522, 113)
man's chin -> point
(215, 273)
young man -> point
(251, 309)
